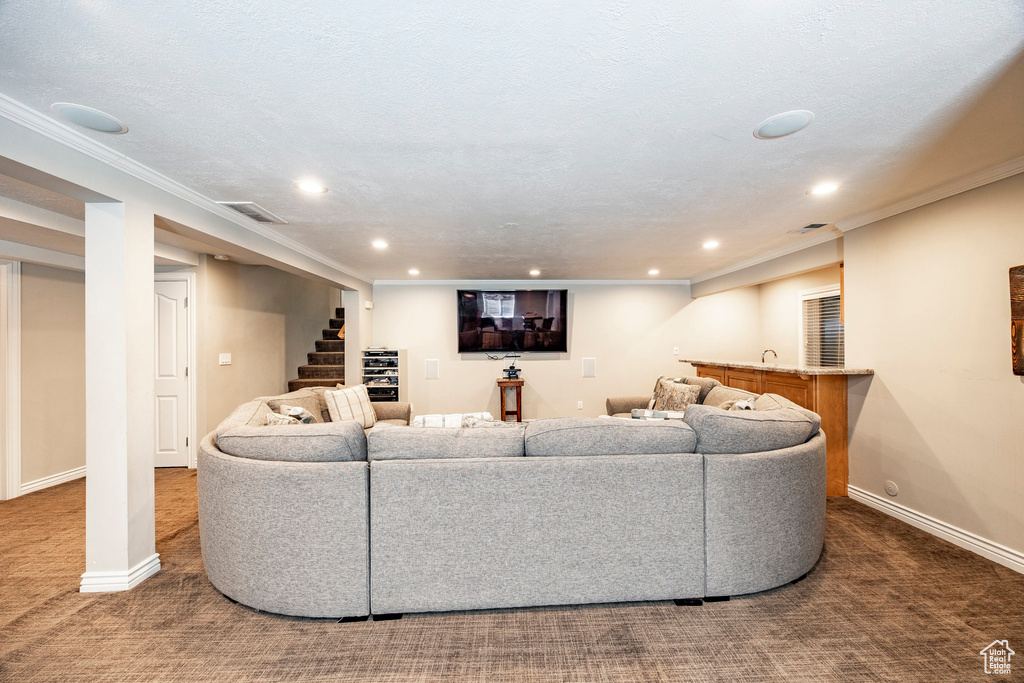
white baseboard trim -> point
(955, 535)
(53, 480)
(105, 582)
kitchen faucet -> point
(772, 352)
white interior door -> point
(172, 393)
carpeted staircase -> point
(326, 366)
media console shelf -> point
(820, 389)
(384, 374)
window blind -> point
(823, 332)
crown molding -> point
(526, 284)
(769, 256)
(44, 125)
(954, 187)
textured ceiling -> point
(587, 139)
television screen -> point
(513, 320)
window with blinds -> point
(822, 329)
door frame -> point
(190, 339)
(10, 348)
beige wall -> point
(52, 371)
(780, 311)
(629, 329)
(927, 306)
(267, 320)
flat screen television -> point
(504, 321)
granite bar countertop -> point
(776, 367)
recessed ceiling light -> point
(824, 188)
(414, 271)
(310, 186)
(222, 257)
(535, 272)
(90, 118)
(380, 244)
(710, 244)
(653, 271)
(781, 125)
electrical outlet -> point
(675, 350)
(225, 359)
(579, 405)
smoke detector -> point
(254, 211)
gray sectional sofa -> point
(322, 521)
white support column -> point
(120, 545)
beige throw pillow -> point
(671, 395)
(352, 403)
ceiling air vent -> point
(808, 228)
(255, 212)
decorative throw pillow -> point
(671, 395)
(304, 398)
(279, 419)
(352, 403)
(739, 404)
(657, 383)
(297, 412)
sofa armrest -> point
(625, 404)
(392, 410)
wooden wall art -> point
(1017, 318)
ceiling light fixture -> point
(781, 125)
(90, 118)
(310, 186)
(824, 188)
(380, 244)
(535, 272)
(653, 271)
(414, 271)
(710, 244)
(222, 257)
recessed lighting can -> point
(535, 272)
(781, 125)
(90, 118)
(824, 188)
(653, 271)
(310, 186)
(710, 244)
(414, 271)
(222, 257)
(380, 244)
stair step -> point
(326, 357)
(339, 313)
(331, 333)
(321, 371)
(330, 345)
(296, 384)
(336, 323)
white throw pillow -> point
(352, 403)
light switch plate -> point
(225, 359)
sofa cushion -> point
(673, 395)
(775, 401)
(706, 384)
(351, 404)
(720, 394)
(321, 442)
(390, 442)
(748, 431)
(319, 393)
(603, 436)
(303, 399)
(250, 413)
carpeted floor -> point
(886, 602)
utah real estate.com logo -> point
(997, 657)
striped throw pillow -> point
(352, 403)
